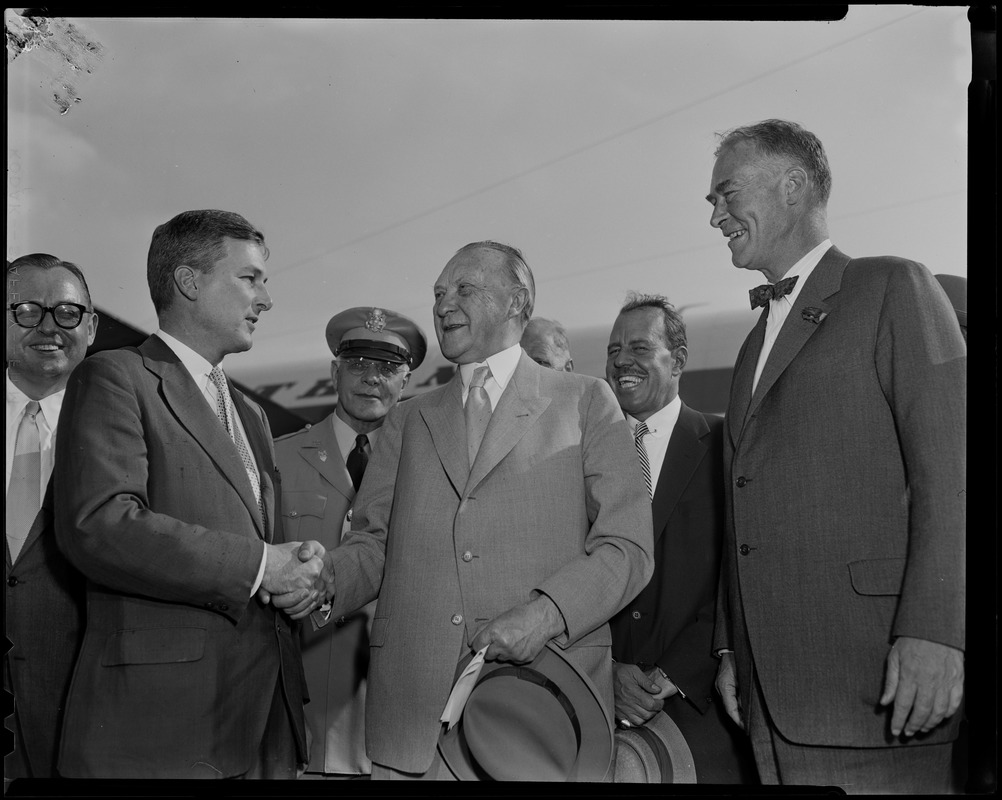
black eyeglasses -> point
(66, 315)
(360, 366)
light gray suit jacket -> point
(555, 501)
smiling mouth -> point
(629, 381)
(46, 347)
(735, 235)
(451, 327)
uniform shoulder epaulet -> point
(285, 436)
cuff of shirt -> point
(260, 571)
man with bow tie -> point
(165, 499)
(50, 324)
(501, 511)
(375, 351)
(841, 612)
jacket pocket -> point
(877, 576)
(303, 504)
(378, 633)
(153, 646)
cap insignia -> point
(376, 321)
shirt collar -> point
(198, 367)
(345, 435)
(18, 400)
(804, 268)
(662, 421)
(502, 366)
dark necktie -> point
(761, 295)
(24, 492)
(357, 460)
(638, 439)
(478, 411)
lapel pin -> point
(323, 455)
(815, 315)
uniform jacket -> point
(845, 490)
(179, 664)
(317, 495)
(44, 616)
(555, 501)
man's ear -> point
(519, 301)
(679, 355)
(796, 185)
(186, 282)
(403, 383)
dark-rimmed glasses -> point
(360, 366)
(66, 315)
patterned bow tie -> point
(761, 295)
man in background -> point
(50, 324)
(322, 466)
(662, 641)
(545, 342)
(841, 621)
(165, 490)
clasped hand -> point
(295, 577)
(639, 695)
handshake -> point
(297, 577)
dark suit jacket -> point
(45, 617)
(179, 664)
(846, 497)
(670, 623)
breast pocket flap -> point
(303, 504)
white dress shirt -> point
(660, 424)
(780, 309)
(47, 419)
(502, 368)
(199, 369)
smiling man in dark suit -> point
(165, 495)
(841, 620)
(662, 641)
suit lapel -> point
(685, 451)
(192, 412)
(518, 409)
(447, 427)
(744, 374)
(42, 519)
(823, 282)
(324, 455)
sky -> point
(369, 151)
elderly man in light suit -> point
(843, 577)
(322, 466)
(539, 532)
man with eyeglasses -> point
(375, 351)
(50, 324)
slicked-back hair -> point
(516, 269)
(194, 239)
(674, 325)
(782, 139)
(46, 261)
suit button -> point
(741, 481)
(467, 556)
(293, 513)
(223, 607)
(12, 581)
(635, 615)
(457, 619)
(209, 605)
(744, 549)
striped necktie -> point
(478, 411)
(638, 439)
(224, 410)
(24, 492)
